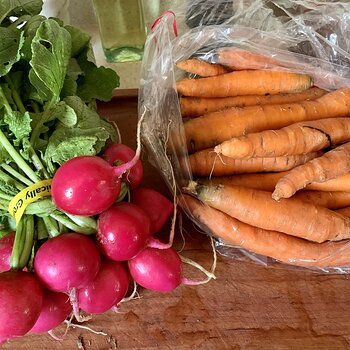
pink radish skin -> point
(21, 298)
(158, 207)
(106, 290)
(55, 309)
(123, 231)
(85, 185)
(70, 260)
(6, 244)
(120, 152)
(157, 269)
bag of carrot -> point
(246, 107)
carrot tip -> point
(191, 188)
(217, 149)
(276, 196)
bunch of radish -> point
(74, 272)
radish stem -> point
(17, 157)
(10, 149)
(15, 95)
(51, 226)
(40, 207)
(10, 180)
(121, 169)
(41, 231)
(63, 219)
(18, 245)
(5, 196)
(16, 174)
(28, 241)
(84, 221)
(37, 163)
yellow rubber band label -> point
(29, 195)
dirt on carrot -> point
(245, 82)
(216, 127)
(326, 167)
(209, 163)
(291, 216)
(267, 181)
(277, 245)
(331, 200)
(240, 59)
(201, 68)
(192, 107)
(298, 138)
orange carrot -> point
(207, 162)
(340, 183)
(292, 216)
(332, 164)
(298, 138)
(201, 68)
(239, 59)
(344, 211)
(214, 128)
(196, 106)
(245, 82)
(327, 199)
(277, 245)
(268, 181)
(259, 181)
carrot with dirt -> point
(277, 245)
(259, 181)
(327, 199)
(268, 181)
(207, 163)
(344, 211)
(240, 59)
(192, 107)
(292, 216)
(201, 68)
(245, 82)
(331, 200)
(298, 138)
(214, 128)
(330, 165)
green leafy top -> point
(49, 83)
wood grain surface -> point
(248, 306)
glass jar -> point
(122, 29)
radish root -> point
(61, 338)
(134, 295)
(210, 274)
(75, 305)
(74, 325)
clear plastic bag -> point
(307, 36)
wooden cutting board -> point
(248, 306)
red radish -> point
(123, 230)
(119, 152)
(70, 260)
(55, 309)
(6, 244)
(161, 270)
(157, 269)
(21, 298)
(158, 207)
(85, 185)
(106, 290)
